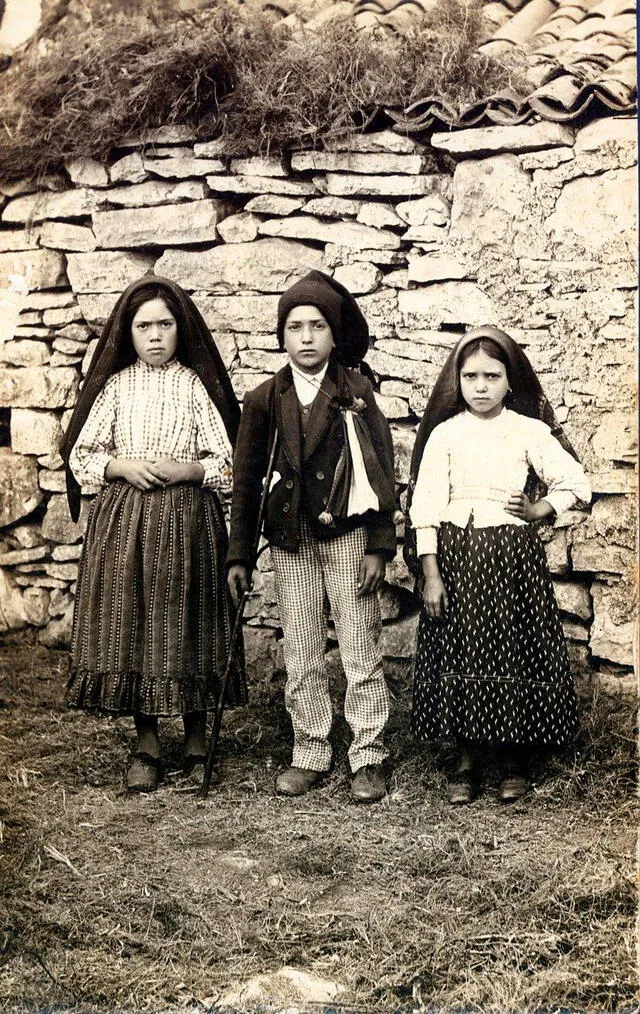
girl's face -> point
(307, 338)
(483, 384)
(154, 333)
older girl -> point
(150, 436)
(491, 662)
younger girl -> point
(151, 436)
(491, 662)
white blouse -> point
(153, 412)
(471, 464)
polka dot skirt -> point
(496, 670)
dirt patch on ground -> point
(159, 904)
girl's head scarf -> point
(115, 351)
(341, 311)
(445, 401)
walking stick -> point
(236, 629)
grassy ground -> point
(159, 904)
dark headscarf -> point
(526, 397)
(345, 318)
(115, 351)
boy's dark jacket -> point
(306, 468)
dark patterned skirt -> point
(153, 616)
(496, 669)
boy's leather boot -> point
(368, 785)
(296, 781)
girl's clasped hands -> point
(145, 474)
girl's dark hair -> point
(494, 351)
(489, 347)
(144, 295)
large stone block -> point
(446, 303)
(24, 353)
(35, 432)
(481, 141)
(57, 633)
(380, 216)
(430, 210)
(356, 162)
(181, 168)
(154, 192)
(264, 361)
(13, 614)
(491, 204)
(40, 269)
(169, 225)
(240, 228)
(260, 185)
(436, 269)
(615, 438)
(86, 172)
(596, 217)
(381, 140)
(58, 526)
(65, 236)
(106, 271)
(359, 278)
(355, 185)
(399, 639)
(349, 234)
(333, 207)
(36, 207)
(386, 365)
(608, 130)
(19, 490)
(96, 307)
(19, 239)
(38, 387)
(129, 169)
(613, 631)
(244, 314)
(275, 204)
(259, 166)
(573, 598)
(267, 265)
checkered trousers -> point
(304, 580)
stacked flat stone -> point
(531, 228)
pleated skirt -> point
(153, 616)
(496, 669)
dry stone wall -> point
(533, 229)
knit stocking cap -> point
(339, 308)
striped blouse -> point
(153, 412)
(472, 464)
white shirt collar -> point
(307, 385)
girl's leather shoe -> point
(514, 785)
(143, 773)
(462, 787)
(296, 781)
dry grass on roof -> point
(113, 903)
(232, 72)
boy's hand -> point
(371, 573)
(520, 506)
(171, 471)
(138, 472)
(239, 581)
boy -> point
(329, 522)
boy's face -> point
(307, 338)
